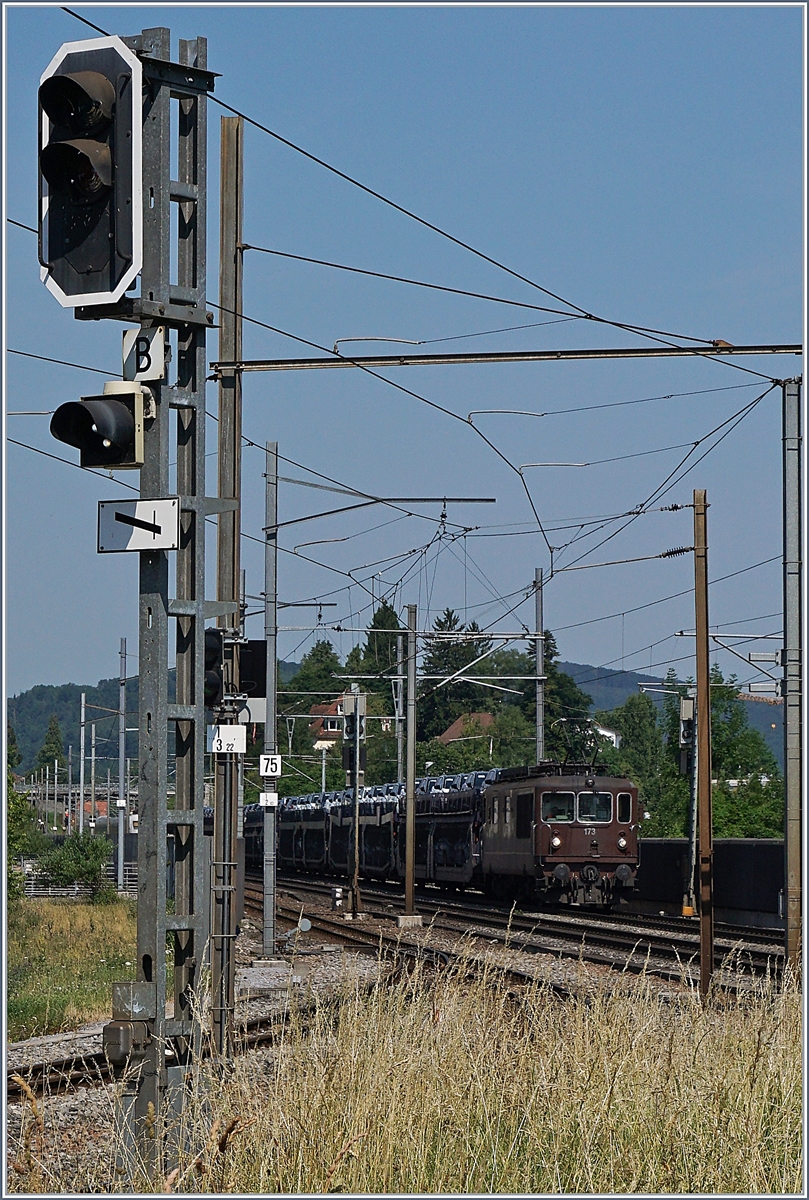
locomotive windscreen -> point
(595, 806)
(557, 806)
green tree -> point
(378, 655)
(80, 859)
(645, 758)
(469, 753)
(315, 675)
(53, 746)
(747, 790)
(21, 834)
(13, 755)
(513, 738)
(380, 744)
(438, 707)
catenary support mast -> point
(151, 1103)
(793, 663)
(271, 715)
(224, 867)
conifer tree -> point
(13, 755)
(53, 746)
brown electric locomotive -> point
(562, 832)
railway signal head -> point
(687, 718)
(107, 429)
(90, 172)
(686, 721)
(214, 668)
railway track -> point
(88, 1069)
(84, 1069)
(668, 948)
(396, 944)
(664, 947)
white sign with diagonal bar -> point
(138, 525)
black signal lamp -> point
(82, 102)
(90, 166)
(107, 429)
(214, 677)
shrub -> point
(80, 859)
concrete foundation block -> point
(408, 921)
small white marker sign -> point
(268, 799)
(138, 525)
(144, 354)
(227, 739)
(269, 766)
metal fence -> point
(38, 887)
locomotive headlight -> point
(622, 842)
(556, 841)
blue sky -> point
(645, 163)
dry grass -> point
(442, 1085)
(63, 957)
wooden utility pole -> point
(703, 740)
(540, 665)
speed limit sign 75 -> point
(269, 766)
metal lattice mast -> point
(156, 1095)
(793, 663)
(271, 715)
(224, 866)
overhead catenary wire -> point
(524, 593)
(408, 392)
(130, 487)
(457, 337)
(532, 283)
(595, 462)
(640, 330)
(84, 21)
(557, 412)
(456, 416)
(61, 362)
(56, 458)
(670, 479)
(437, 287)
(663, 599)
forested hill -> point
(610, 689)
(29, 714)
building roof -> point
(320, 713)
(456, 730)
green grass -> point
(62, 961)
(452, 1087)
(452, 1084)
